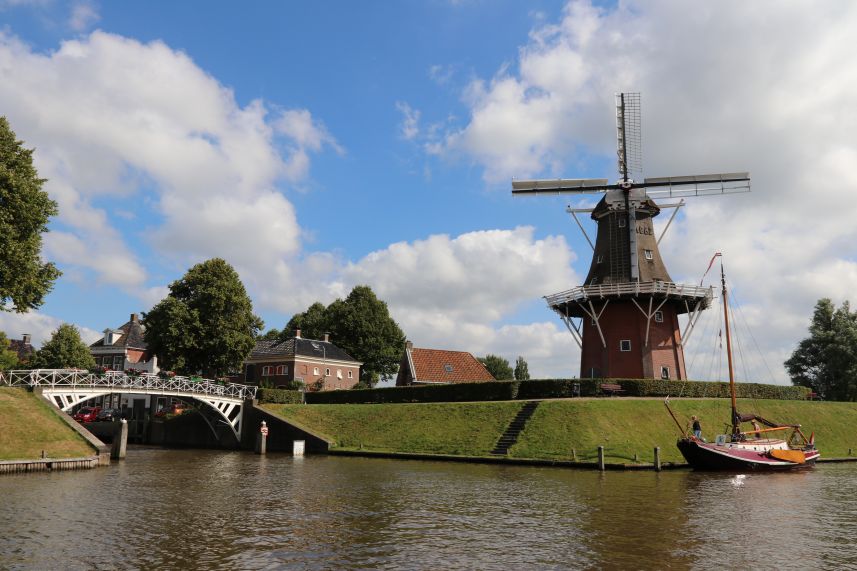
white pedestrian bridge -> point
(67, 388)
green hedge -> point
(279, 396)
(498, 390)
(552, 388)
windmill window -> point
(599, 259)
(665, 373)
(648, 254)
(625, 345)
(659, 316)
(622, 222)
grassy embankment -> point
(29, 425)
(624, 426)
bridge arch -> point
(66, 388)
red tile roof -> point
(440, 366)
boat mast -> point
(735, 420)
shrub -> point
(279, 396)
(492, 391)
(553, 388)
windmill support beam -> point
(651, 313)
(596, 317)
(670, 221)
(575, 332)
(693, 317)
(579, 225)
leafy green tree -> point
(24, 213)
(271, 335)
(826, 361)
(498, 367)
(64, 350)
(206, 323)
(522, 370)
(361, 325)
(8, 358)
(313, 323)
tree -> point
(313, 323)
(206, 324)
(360, 325)
(64, 350)
(271, 335)
(24, 213)
(522, 371)
(826, 361)
(498, 367)
(8, 358)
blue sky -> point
(316, 146)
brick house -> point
(124, 348)
(22, 347)
(438, 366)
(306, 360)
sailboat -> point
(754, 449)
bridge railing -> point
(119, 380)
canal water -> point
(189, 509)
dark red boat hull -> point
(704, 456)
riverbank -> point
(31, 428)
(563, 430)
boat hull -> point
(711, 456)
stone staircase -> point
(510, 436)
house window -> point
(648, 254)
(118, 361)
(315, 370)
(659, 316)
(282, 369)
(665, 373)
(350, 374)
(623, 222)
(338, 373)
(625, 345)
(327, 372)
(266, 371)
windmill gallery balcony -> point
(569, 303)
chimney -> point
(326, 337)
(298, 333)
(25, 339)
(133, 318)
(409, 345)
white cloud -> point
(775, 98)
(410, 126)
(39, 326)
(143, 126)
(83, 15)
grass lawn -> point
(624, 426)
(635, 426)
(29, 425)
(468, 429)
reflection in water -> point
(218, 510)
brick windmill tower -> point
(625, 317)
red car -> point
(87, 414)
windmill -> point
(625, 317)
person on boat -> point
(756, 429)
(697, 427)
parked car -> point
(109, 414)
(173, 410)
(87, 414)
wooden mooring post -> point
(601, 458)
(658, 458)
